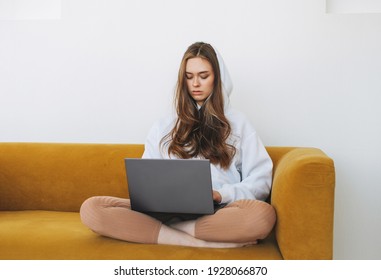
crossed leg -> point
(243, 221)
(238, 224)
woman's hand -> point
(217, 196)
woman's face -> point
(200, 79)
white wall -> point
(106, 70)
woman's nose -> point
(195, 82)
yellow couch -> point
(42, 186)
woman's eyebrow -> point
(202, 72)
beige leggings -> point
(240, 221)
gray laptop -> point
(166, 188)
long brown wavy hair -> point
(200, 132)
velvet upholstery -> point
(42, 186)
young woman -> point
(204, 127)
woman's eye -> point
(188, 77)
(204, 77)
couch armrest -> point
(303, 196)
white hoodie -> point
(250, 174)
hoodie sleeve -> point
(152, 143)
(152, 147)
(255, 167)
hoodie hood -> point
(227, 84)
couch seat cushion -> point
(45, 235)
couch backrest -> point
(59, 177)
